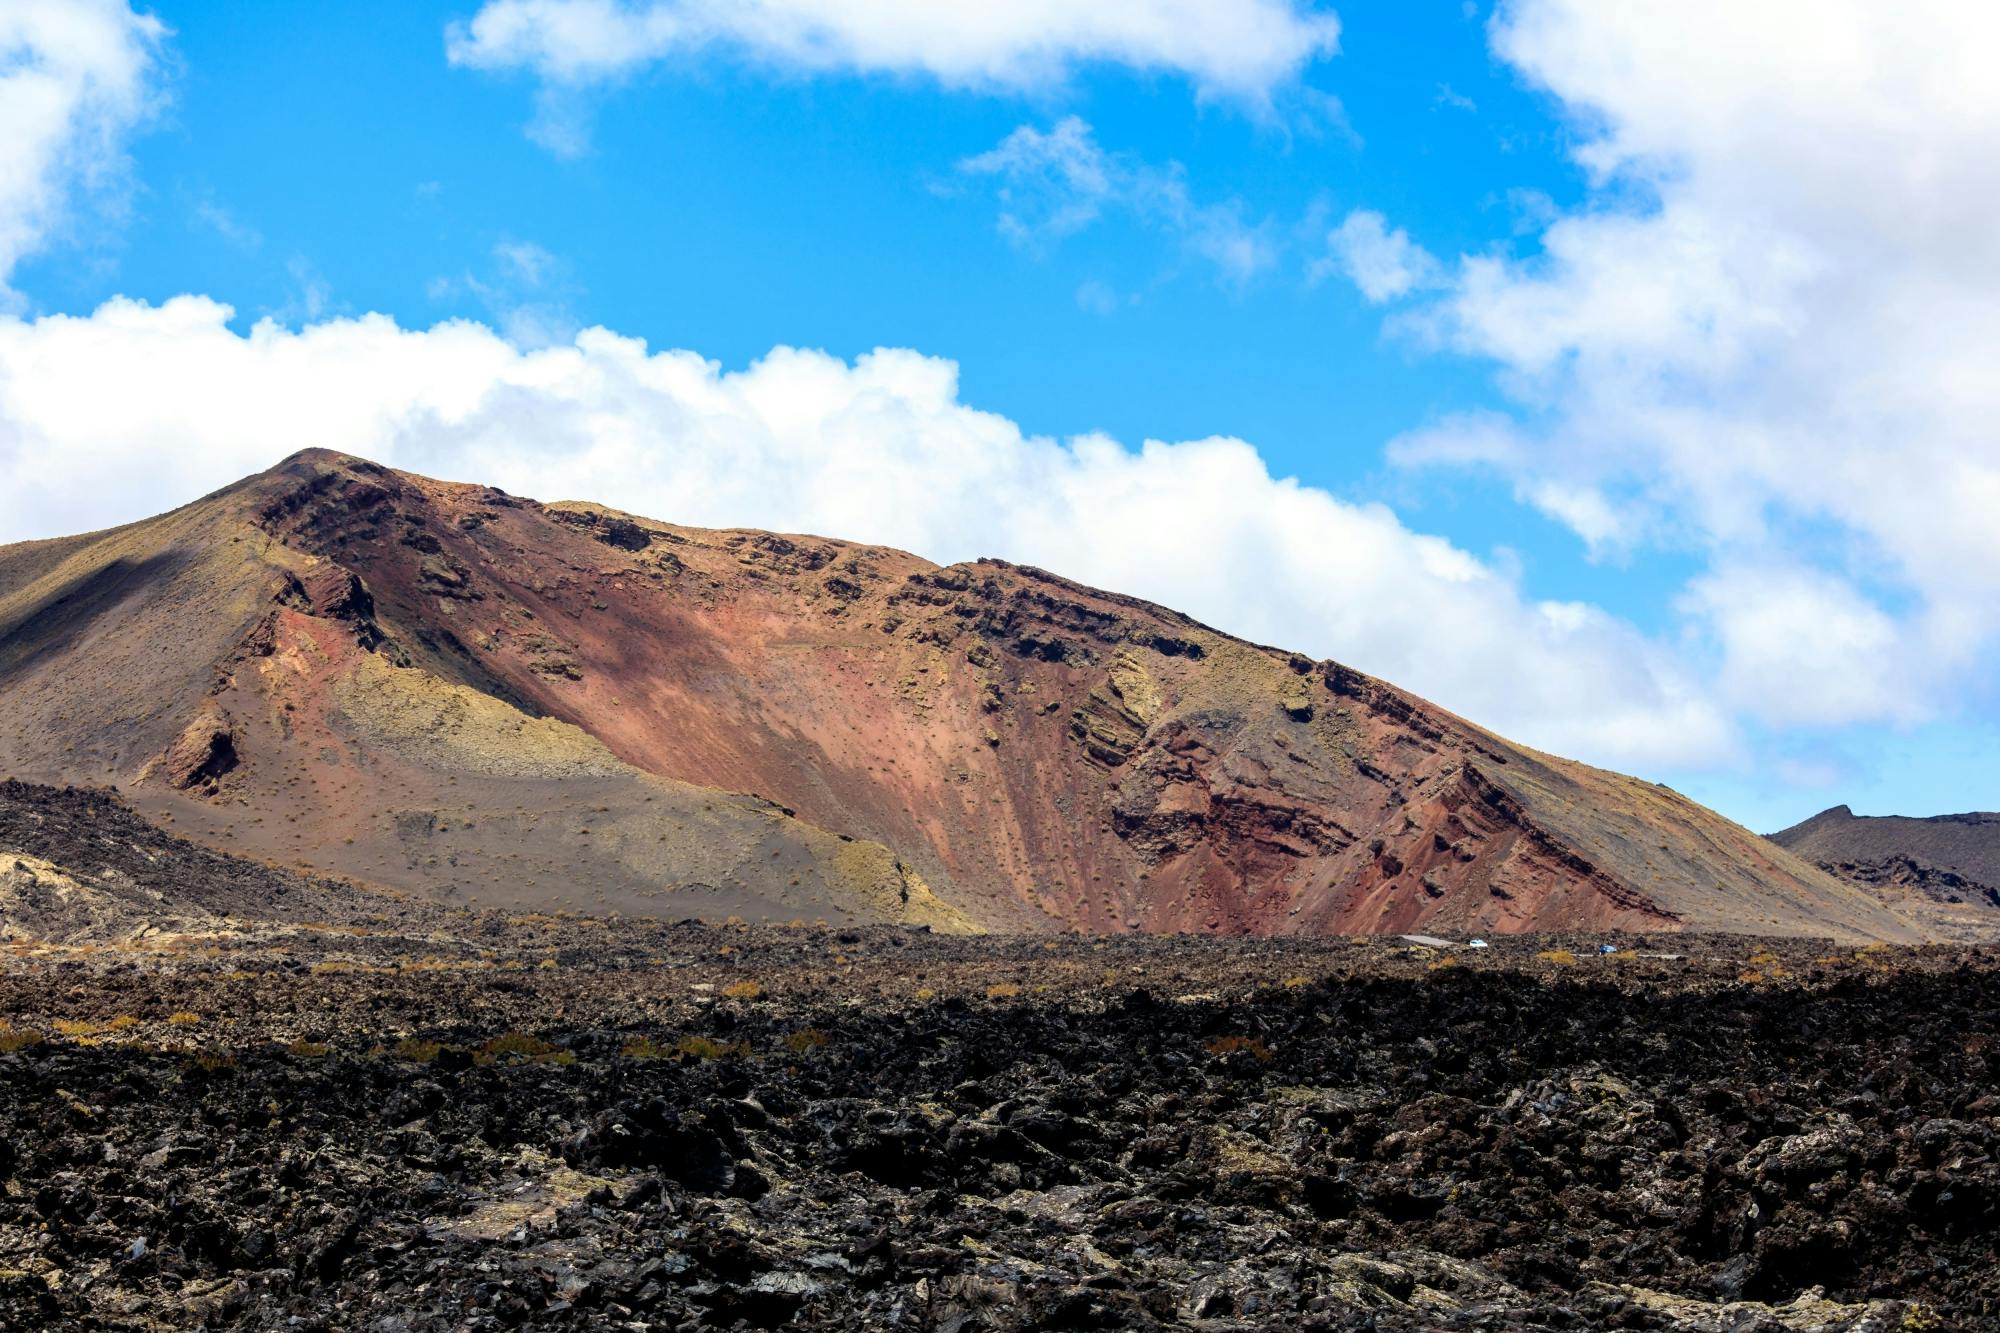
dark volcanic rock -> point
(1002, 1135)
(1934, 882)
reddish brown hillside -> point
(1037, 753)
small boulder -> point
(203, 754)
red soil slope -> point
(1037, 753)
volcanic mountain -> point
(1944, 866)
(445, 689)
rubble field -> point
(555, 1122)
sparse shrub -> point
(926, 993)
(805, 1039)
(1559, 957)
(419, 1049)
(1763, 966)
(1223, 1047)
(1003, 990)
(687, 1048)
(18, 1039)
(1297, 983)
(214, 1062)
(308, 1050)
(742, 990)
(183, 1019)
(547, 965)
(1920, 1318)
(645, 1048)
(1449, 960)
(708, 1048)
(75, 1027)
(523, 1044)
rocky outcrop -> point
(1933, 882)
(1895, 849)
(203, 755)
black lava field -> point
(559, 1123)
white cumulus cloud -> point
(1384, 264)
(1053, 183)
(1235, 48)
(880, 449)
(75, 76)
(1800, 646)
(1242, 50)
(1768, 332)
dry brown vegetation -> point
(804, 1040)
(1253, 1047)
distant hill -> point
(444, 689)
(1944, 867)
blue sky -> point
(726, 210)
(1575, 375)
